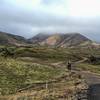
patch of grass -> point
(15, 74)
(57, 54)
(89, 67)
(20, 72)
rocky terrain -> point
(61, 40)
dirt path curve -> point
(92, 80)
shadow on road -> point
(94, 92)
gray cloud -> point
(27, 23)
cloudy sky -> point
(29, 17)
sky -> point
(30, 17)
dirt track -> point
(93, 81)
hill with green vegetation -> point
(16, 74)
(9, 39)
(39, 72)
(42, 71)
(22, 67)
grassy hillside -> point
(15, 74)
(56, 54)
(10, 39)
(89, 67)
(22, 67)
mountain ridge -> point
(10, 39)
(61, 40)
(42, 39)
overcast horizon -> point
(30, 17)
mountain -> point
(52, 40)
(39, 38)
(60, 40)
(9, 39)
